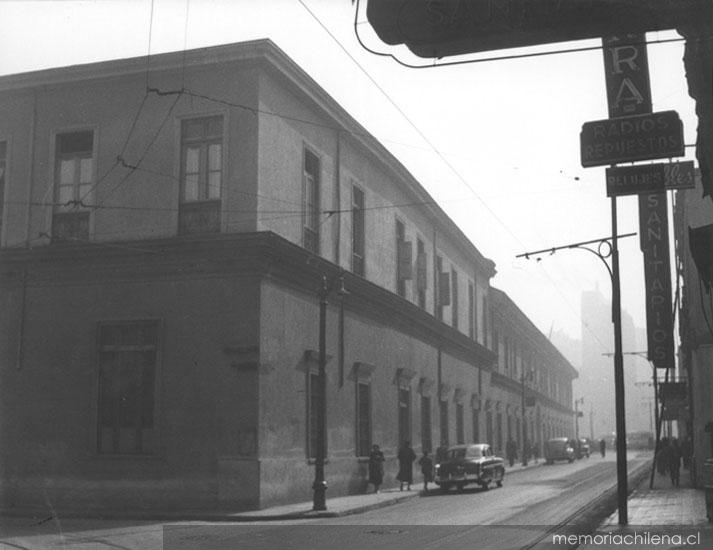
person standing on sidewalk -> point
(603, 447)
(426, 463)
(376, 467)
(674, 462)
(406, 457)
(511, 451)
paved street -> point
(518, 515)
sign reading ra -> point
(631, 138)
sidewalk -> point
(670, 513)
(336, 506)
(345, 505)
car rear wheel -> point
(460, 487)
(485, 485)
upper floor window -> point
(74, 183)
(403, 259)
(443, 287)
(310, 202)
(471, 310)
(421, 272)
(358, 236)
(201, 175)
(3, 169)
(454, 299)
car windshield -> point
(464, 452)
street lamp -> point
(319, 501)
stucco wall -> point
(202, 405)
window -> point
(363, 418)
(460, 430)
(310, 202)
(421, 273)
(74, 182)
(403, 259)
(440, 295)
(201, 175)
(127, 380)
(404, 415)
(358, 237)
(471, 310)
(476, 425)
(454, 299)
(489, 428)
(3, 169)
(444, 423)
(313, 415)
(426, 441)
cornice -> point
(262, 256)
(505, 382)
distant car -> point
(584, 447)
(469, 464)
(559, 448)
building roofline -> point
(498, 294)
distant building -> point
(530, 372)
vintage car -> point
(584, 447)
(469, 464)
(559, 448)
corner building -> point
(167, 228)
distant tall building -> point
(596, 374)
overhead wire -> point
(430, 144)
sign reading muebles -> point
(653, 233)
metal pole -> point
(320, 485)
(621, 467)
(524, 429)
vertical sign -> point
(629, 93)
(653, 234)
(627, 75)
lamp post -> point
(319, 487)
(608, 248)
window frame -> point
(5, 167)
(204, 206)
(358, 237)
(363, 444)
(81, 214)
(311, 210)
(96, 418)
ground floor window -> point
(127, 381)
(444, 424)
(363, 417)
(404, 415)
(426, 441)
(476, 426)
(460, 429)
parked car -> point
(559, 448)
(584, 447)
(469, 464)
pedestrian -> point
(674, 462)
(426, 463)
(662, 457)
(686, 451)
(441, 453)
(406, 457)
(536, 451)
(603, 447)
(376, 467)
(511, 451)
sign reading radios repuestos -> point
(630, 138)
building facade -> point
(531, 384)
(169, 228)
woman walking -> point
(376, 467)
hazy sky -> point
(501, 153)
